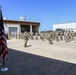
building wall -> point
(66, 26)
(6, 26)
(21, 25)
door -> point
(12, 31)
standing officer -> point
(72, 35)
(16, 35)
(36, 36)
(57, 36)
(32, 36)
(19, 35)
(61, 36)
(25, 39)
(50, 38)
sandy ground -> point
(63, 51)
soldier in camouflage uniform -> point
(19, 35)
(57, 36)
(8, 35)
(46, 36)
(69, 36)
(25, 39)
(53, 35)
(32, 36)
(16, 35)
(72, 35)
(29, 35)
(75, 37)
(61, 36)
(66, 36)
(42, 36)
(36, 36)
(50, 38)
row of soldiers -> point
(58, 36)
(52, 36)
(67, 36)
(17, 36)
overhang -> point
(21, 22)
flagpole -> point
(3, 63)
(0, 11)
(4, 68)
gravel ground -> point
(63, 51)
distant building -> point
(13, 26)
(65, 26)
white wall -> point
(65, 26)
(6, 26)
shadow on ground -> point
(29, 45)
(22, 63)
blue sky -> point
(47, 12)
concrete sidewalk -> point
(28, 61)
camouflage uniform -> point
(57, 36)
(8, 36)
(32, 36)
(53, 35)
(61, 36)
(28, 35)
(25, 39)
(19, 35)
(50, 38)
(46, 36)
(36, 36)
(42, 36)
(16, 35)
(72, 35)
(65, 35)
(69, 36)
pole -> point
(3, 63)
(4, 68)
(0, 11)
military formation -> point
(67, 36)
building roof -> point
(21, 22)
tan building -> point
(13, 26)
